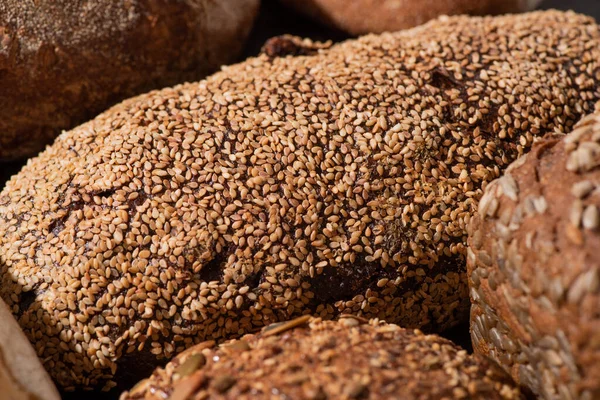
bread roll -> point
(534, 267)
(314, 359)
(22, 376)
(64, 61)
(363, 16)
(339, 181)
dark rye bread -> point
(22, 376)
(314, 359)
(534, 267)
(64, 61)
(364, 16)
(337, 182)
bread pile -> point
(337, 182)
(310, 194)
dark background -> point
(275, 20)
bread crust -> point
(534, 267)
(62, 62)
(375, 16)
(349, 359)
(336, 182)
(22, 376)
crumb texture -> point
(375, 16)
(339, 182)
(534, 267)
(64, 61)
(349, 359)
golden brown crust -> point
(62, 62)
(313, 359)
(364, 16)
(22, 376)
(340, 182)
(534, 267)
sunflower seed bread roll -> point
(375, 16)
(340, 181)
(534, 267)
(64, 61)
(22, 376)
(315, 359)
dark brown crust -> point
(364, 16)
(349, 359)
(62, 62)
(287, 45)
(534, 267)
(340, 182)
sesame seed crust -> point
(337, 182)
(349, 359)
(534, 267)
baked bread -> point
(314, 359)
(339, 181)
(534, 267)
(64, 61)
(22, 376)
(364, 16)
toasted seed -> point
(582, 189)
(277, 328)
(591, 217)
(223, 383)
(190, 365)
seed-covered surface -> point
(339, 181)
(534, 267)
(349, 359)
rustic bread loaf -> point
(22, 376)
(312, 359)
(337, 182)
(534, 267)
(64, 61)
(364, 16)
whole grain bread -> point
(314, 359)
(64, 61)
(22, 376)
(337, 181)
(534, 267)
(365, 16)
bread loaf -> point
(534, 267)
(64, 61)
(313, 359)
(338, 181)
(363, 16)
(22, 376)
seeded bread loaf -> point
(312, 359)
(534, 267)
(22, 376)
(338, 181)
(64, 61)
(364, 16)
